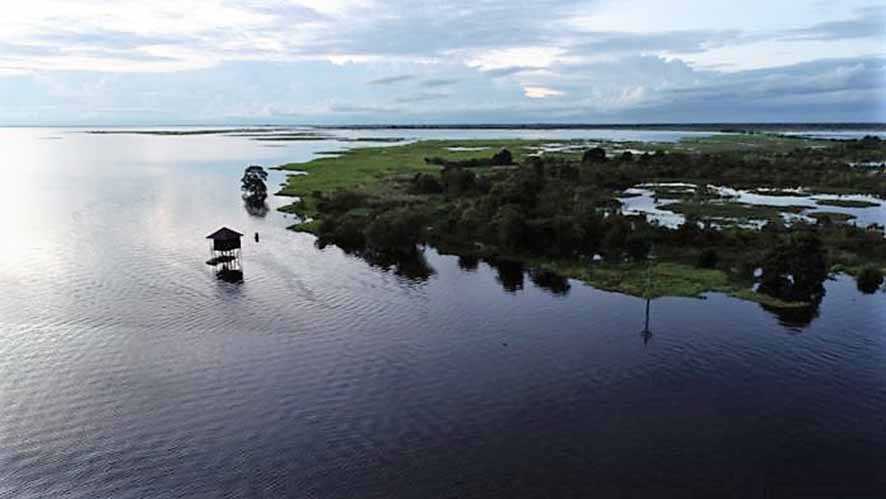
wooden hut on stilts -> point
(225, 254)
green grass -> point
(366, 168)
(739, 211)
(769, 301)
(744, 142)
(847, 203)
(667, 279)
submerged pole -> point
(646, 333)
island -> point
(751, 215)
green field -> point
(365, 168)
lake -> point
(128, 370)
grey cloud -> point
(422, 97)
(870, 22)
(831, 87)
(672, 41)
(509, 71)
(440, 82)
(355, 109)
(390, 80)
(434, 29)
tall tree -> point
(253, 185)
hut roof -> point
(224, 234)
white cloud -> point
(540, 92)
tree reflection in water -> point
(255, 208)
(550, 281)
(795, 318)
(413, 266)
(510, 273)
(468, 263)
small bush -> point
(869, 280)
(502, 158)
(395, 232)
(637, 247)
(595, 155)
(458, 181)
(511, 226)
(341, 201)
(708, 259)
(425, 183)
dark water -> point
(128, 370)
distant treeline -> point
(701, 127)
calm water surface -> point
(128, 370)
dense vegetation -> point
(560, 212)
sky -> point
(406, 61)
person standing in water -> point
(256, 237)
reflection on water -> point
(646, 334)
(468, 263)
(550, 281)
(510, 273)
(255, 209)
(127, 369)
(795, 319)
(411, 266)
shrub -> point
(637, 247)
(395, 232)
(425, 183)
(708, 258)
(346, 233)
(614, 240)
(595, 155)
(511, 227)
(869, 280)
(341, 201)
(502, 158)
(458, 181)
(795, 269)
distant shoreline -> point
(701, 127)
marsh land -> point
(755, 212)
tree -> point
(637, 247)
(425, 183)
(502, 158)
(594, 155)
(708, 258)
(795, 270)
(253, 185)
(511, 226)
(869, 280)
(395, 232)
(458, 181)
(614, 240)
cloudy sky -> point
(455, 61)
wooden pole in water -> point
(646, 333)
